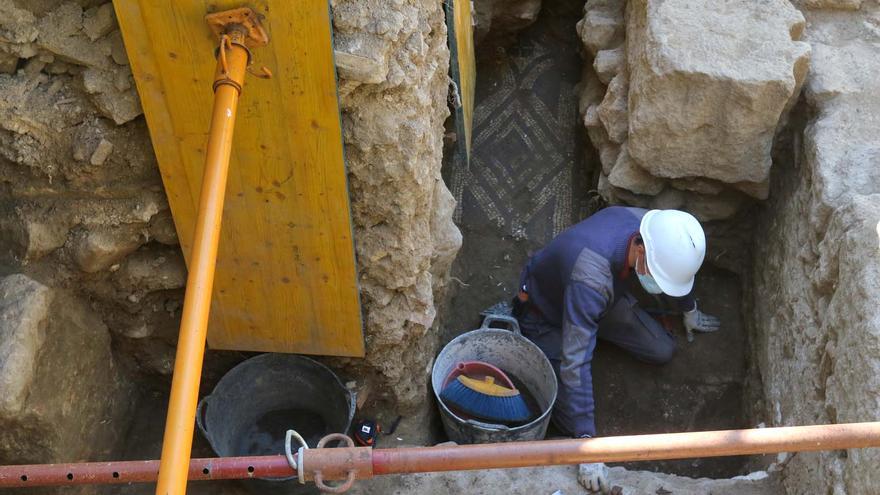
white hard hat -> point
(675, 246)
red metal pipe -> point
(627, 448)
(104, 473)
(364, 462)
(335, 464)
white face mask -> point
(647, 281)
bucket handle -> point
(510, 321)
(200, 416)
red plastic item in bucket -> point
(478, 370)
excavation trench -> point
(529, 178)
(793, 278)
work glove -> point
(594, 477)
(697, 321)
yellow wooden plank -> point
(285, 278)
(464, 39)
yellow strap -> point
(487, 386)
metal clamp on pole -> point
(347, 463)
(238, 30)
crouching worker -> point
(575, 290)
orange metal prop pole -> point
(177, 442)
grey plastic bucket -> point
(515, 355)
(256, 402)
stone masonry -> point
(82, 207)
(683, 99)
(816, 263)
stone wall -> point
(682, 99)
(816, 274)
(81, 200)
(82, 205)
(392, 117)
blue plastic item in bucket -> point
(519, 358)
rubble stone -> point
(29, 232)
(673, 83)
(117, 48)
(60, 32)
(363, 69)
(58, 381)
(114, 93)
(608, 150)
(609, 63)
(150, 271)
(715, 207)
(101, 153)
(447, 238)
(8, 63)
(17, 26)
(162, 228)
(98, 21)
(669, 199)
(98, 249)
(627, 174)
(602, 26)
(613, 109)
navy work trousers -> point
(625, 325)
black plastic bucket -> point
(256, 402)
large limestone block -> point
(709, 84)
(61, 398)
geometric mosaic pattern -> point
(524, 163)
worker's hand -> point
(594, 477)
(697, 321)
